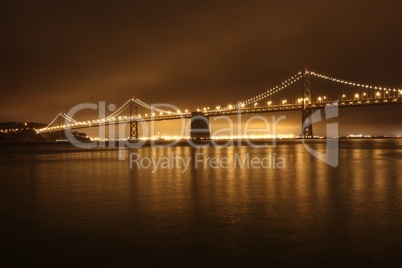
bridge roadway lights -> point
(200, 127)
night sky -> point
(56, 54)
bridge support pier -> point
(307, 126)
(133, 123)
(200, 127)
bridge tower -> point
(307, 131)
(133, 123)
(200, 127)
(60, 131)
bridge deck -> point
(262, 109)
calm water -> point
(65, 206)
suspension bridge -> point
(293, 94)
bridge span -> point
(287, 96)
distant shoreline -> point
(208, 141)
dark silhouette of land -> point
(25, 132)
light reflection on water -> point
(87, 207)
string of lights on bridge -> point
(293, 79)
(161, 114)
(360, 85)
(114, 117)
